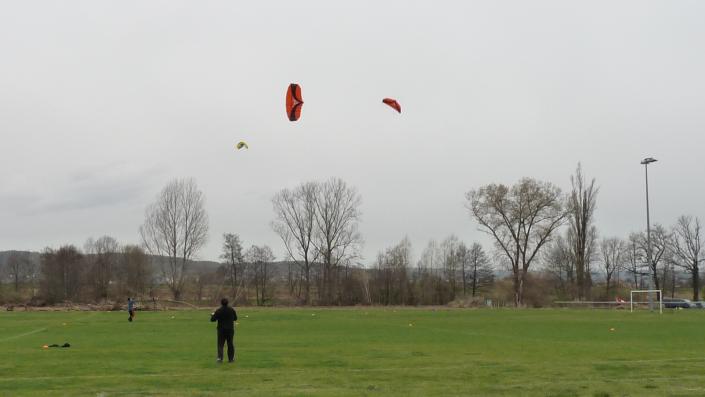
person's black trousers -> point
(223, 336)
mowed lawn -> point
(357, 351)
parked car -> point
(699, 304)
(673, 303)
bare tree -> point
(440, 292)
(337, 238)
(520, 219)
(295, 223)
(613, 252)
(436, 271)
(176, 226)
(581, 208)
(234, 261)
(424, 274)
(203, 278)
(221, 273)
(449, 249)
(463, 261)
(635, 258)
(687, 247)
(481, 272)
(391, 275)
(61, 272)
(134, 274)
(364, 278)
(19, 268)
(102, 258)
(261, 259)
(660, 244)
(589, 254)
(559, 261)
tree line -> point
(533, 222)
(102, 271)
(676, 251)
(542, 239)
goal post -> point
(647, 292)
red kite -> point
(294, 102)
(392, 103)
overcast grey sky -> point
(103, 102)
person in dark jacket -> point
(226, 317)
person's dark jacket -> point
(226, 317)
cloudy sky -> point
(103, 102)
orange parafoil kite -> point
(392, 103)
(294, 102)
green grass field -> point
(365, 351)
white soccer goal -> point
(649, 301)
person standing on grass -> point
(131, 309)
(226, 317)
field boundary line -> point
(21, 335)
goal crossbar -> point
(647, 291)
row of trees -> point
(247, 271)
(103, 270)
(21, 270)
(444, 273)
(175, 228)
(318, 223)
(675, 250)
(525, 220)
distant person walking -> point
(226, 317)
(131, 309)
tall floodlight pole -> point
(646, 163)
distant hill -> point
(278, 269)
(5, 255)
(35, 256)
